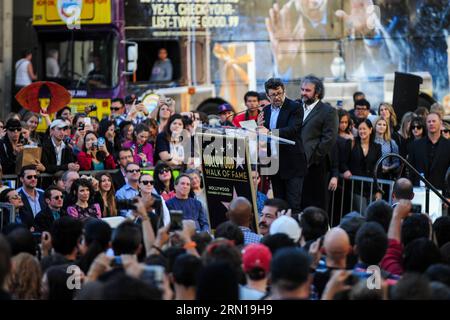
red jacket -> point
(85, 161)
(392, 260)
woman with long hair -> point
(126, 132)
(169, 147)
(95, 155)
(96, 239)
(107, 130)
(80, 207)
(24, 280)
(32, 121)
(417, 130)
(106, 189)
(388, 145)
(403, 133)
(163, 114)
(164, 181)
(142, 150)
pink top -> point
(147, 149)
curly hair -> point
(24, 281)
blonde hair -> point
(407, 117)
(393, 115)
(24, 281)
(387, 133)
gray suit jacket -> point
(319, 133)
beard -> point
(308, 101)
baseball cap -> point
(58, 123)
(13, 124)
(256, 255)
(224, 108)
(286, 225)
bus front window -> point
(80, 60)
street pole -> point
(6, 53)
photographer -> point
(10, 146)
(95, 155)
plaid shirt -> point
(250, 236)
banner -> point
(226, 174)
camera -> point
(176, 218)
(126, 204)
(67, 140)
(81, 126)
(416, 208)
(153, 275)
(101, 141)
(21, 139)
(116, 262)
(37, 237)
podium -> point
(226, 157)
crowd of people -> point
(138, 226)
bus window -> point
(148, 55)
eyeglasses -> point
(164, 171)
(15, 129)
(274, 95)
(416, 127)
(31, 177)
(58, 197)
(134, 171)
(115, 108)
(147, 182)
(14, 197)
(361, 109)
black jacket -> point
(7, 157)
(435, 170)
(26, 213)
(44, 219)
(292, 159)
(319, 132)
(49, 157)
(363, 166)
(118, 179)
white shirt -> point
(51, 67)
(308, 109)
(22, 77)
(58, 151)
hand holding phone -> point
(176, 220)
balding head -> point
(240, 212)
(337, 245)
(403, 189)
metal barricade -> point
(10, 217)
(355, 194)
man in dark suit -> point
(125, 156)
(431, 154)
(319, 133)
(283, 118)
(56, 155)
(54, 202)
(32, 197)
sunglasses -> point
(115, 109)
(134, 171)
(164, 171)
(14, 197)
(416, 127)
(15, 129)
(58, 198)
(445, 131)
(31, 177)
(147, 182)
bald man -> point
(336, 246)
(403, 189)
(240, 214)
